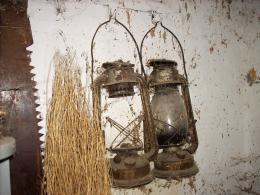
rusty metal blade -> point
(17, 87)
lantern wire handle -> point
(175, 37)
(92, 47)
(113, 16)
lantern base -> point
(130, 170)
(117, 183)
(174, 164)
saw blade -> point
(17, 87)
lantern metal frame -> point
(176, 160)
(128, 168)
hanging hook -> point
(156, 17)
(112, 15)
(92, 47)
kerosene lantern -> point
(173, 118)
(130, 166)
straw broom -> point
(74, 161)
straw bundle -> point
(74, 162)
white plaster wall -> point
(221, 43)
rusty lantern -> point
(130, 166)
(173, 118)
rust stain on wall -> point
(193, 63)
(188, 16)
(238, 36)
(128, 14)
(252, 77)
(186, 6)
(191, 183)
(121, 3)
(224, 42)
(60, 7)
(164, 36)
(211, 49)
(145, 190)
(197, 111)
(152, 33)
(237, 160)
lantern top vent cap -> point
(117, 63)
(161, 62)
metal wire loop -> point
(113, 16)
(175, 37)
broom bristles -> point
(75, 155)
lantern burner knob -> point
(130, 161)
(117, 159)
(181, 154)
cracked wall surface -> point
(221, 43)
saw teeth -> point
(28, 52)
(39, 120)
(32, 75)
(38, 113)
(41, 134)
(33, 84)
(23, 82)
(31, 68)
(41, 142)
